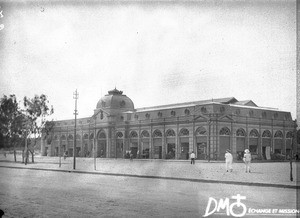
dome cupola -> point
(115, 100)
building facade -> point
(207, 127)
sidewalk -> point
(269, 174)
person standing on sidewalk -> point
(193, 157)
(228, 160)
(131, 156)
(247, 160)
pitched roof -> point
(246, 103)
(228, 100)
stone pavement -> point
(269, 174)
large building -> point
(207, 127)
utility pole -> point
(75, 96)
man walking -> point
(228, 160)
(247, 160)
(193, 157)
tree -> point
(11, 120)
(36, 110)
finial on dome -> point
(115, 92)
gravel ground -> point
(36, 193)
(264, 172)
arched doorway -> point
(278, 142)
(157, 143)
(266, 145)
(133, 143)
(184, 143)
(170, 140)
(101, 144)
(253, 141)
(91, 145)
(240, 143)
(119, 144)
(145, 141)
(78, 146)
(70, 145)
(224, 136)
(85, 151)
(63, 144)
(201, 141)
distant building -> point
(207, 127)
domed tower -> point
(115, 103)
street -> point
(35, 193)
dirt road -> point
(32, 193)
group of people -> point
(229, 159)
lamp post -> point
(75, 96)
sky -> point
(156, 52)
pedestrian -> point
(65, 155)
(131, 155)
(4, 153)
(228, 160)
(193, 157)
(247, 160)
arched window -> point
(157, 134)
(170, 133)
(201, 131)
(241, 132)
(264, 114)
(63, 137)
(187, 112)
(224, 131)
(119, 135)
(145, 134)
(70, 137)
(203, 110)
(159, 114)
(184, 132)
(266, 134)
(289, 134)
(85, 136)
(133, 134)
(78, 137)
(278, 134)
(254, 133)
(173, 113)
(102, 135)
(147, 115)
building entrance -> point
(171, 151)
(184, 151)
(101, 148)
(119, 149)
(201, 151)
(157, 152)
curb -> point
(162, 177)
